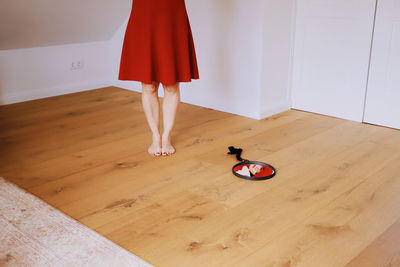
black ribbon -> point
(237, 151)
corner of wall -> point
(261, 70)
(277, 57)
(293, 40)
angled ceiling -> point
(35, 23)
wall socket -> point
(77, 65)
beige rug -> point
(32, 233)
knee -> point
(171, 89)
(150, 88)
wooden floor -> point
(335, 199)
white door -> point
(331, 56)
(383, 93)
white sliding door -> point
(383, 93)
(331, 56)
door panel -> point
(331, 56)
(383, 94)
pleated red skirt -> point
(158, 44)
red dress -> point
(158, 44)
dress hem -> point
(164, 83)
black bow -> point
(237, 151)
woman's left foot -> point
(167, 148)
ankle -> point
(166, 135)
(156, 136)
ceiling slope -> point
(28, 23)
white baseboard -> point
(25, 95)
(271, 110)
(128, 85)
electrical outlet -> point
(77, 65)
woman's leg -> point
(151, 107)
(170, 108)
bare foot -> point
(167, 148)
(155, 147)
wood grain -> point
(383, 251)
(334, 201)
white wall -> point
(33, 73)
(278, 45)
(228, 38)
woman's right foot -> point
(155, 147)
